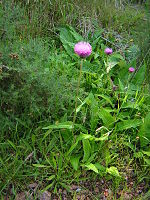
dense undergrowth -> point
(38, 81)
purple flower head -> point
(108, 51)
(131, 69)
(83, 49)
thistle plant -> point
(131, 69)
(83, 50)
(108, 51)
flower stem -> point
(77, 94)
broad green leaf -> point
(92, 167)
(96, 39)
(130, 104)
(110, 65)
(86, 149)
(127, 124)
(132, 52)
(103, 137)
(90, 68)
(100, 167)
(87, 137)
(117, 56)
(146, 153)
(94, 111)
(92, 157)
(75, 162)
(138, 154)
(91, 137)
(121, 86)
(123, 71)
(147, 161)
(113, 171)
(106, 98)
(76, 35)
(144, 132)
(139, 76)
(69, 37)
(106, 117)
(68, 41)
(113, 60)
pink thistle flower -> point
(83, 49)
(131, 69)
(108, 51)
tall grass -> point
(45, 16)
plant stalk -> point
(77, 94)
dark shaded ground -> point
(86, 190)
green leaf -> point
(96, 39)
(100, 167)
(46, 134)
(84, 102)
(144, 132)
(138, 154)
(86, 137)
(33, 139)
(127, 124)
(121, 86)
(92, 167)
(69, 37)
(86, 149)
(106, 98)
(40, 166)
(68, 41)
(113, 60)
(72, 147)
(48, 187)
(76, 35)
(60, 161)
(65, 186)
(140, 76)
(146, 196)
(12, 144)
(117, 56)
(103, 137)
(90, 68)
(106, 117)
(94, 111)
(113, 171)
(51, 177)
(75, 162)
(63, 125)
(132, 52)
(147, 161)
(146, 153)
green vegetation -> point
(43, 138)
